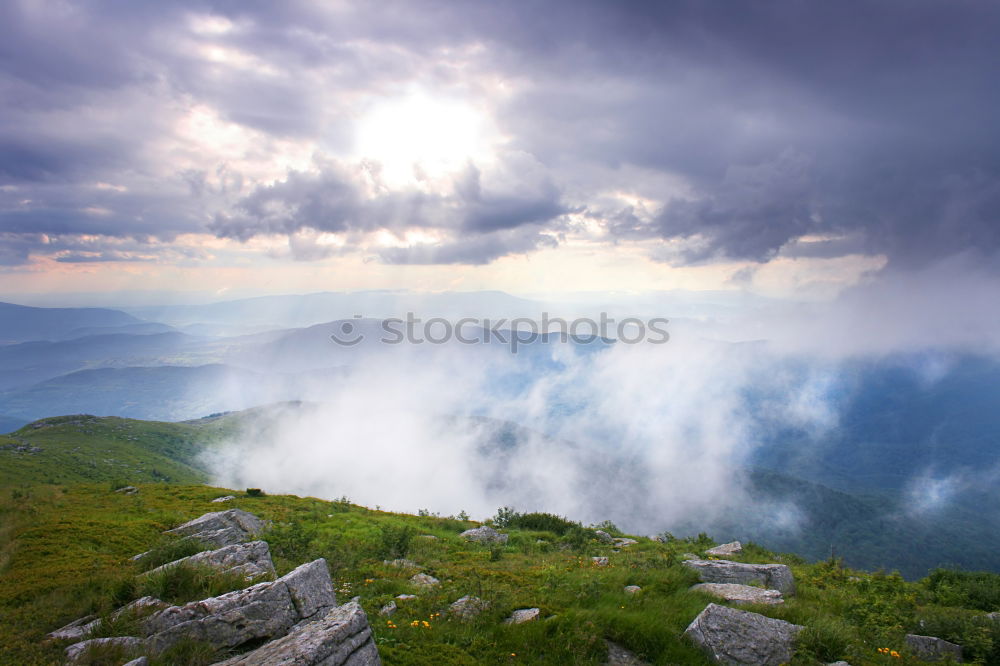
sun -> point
(420, 139)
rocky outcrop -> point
(467, 608)
(731, 636)
(77, 629)
(484, 534)
(929, 648)
(726, 549)
(252, 560)
(128, 646)
(261, 611)
(604, 537)
(772, 576)
(342, 637)
(222, 528)
(80, 629)
(740, 594)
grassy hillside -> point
(64, 553)
(69, 449)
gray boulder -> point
(726, 549)
(731, 636)
(772, 576)
(604, 537)
(264, 610)
(139, 661)
(388, 609)
(624, 542)
(342, 637)
(225, 498)
(467, 608)
(484, 534)
(740, 594)
(929, 648)
(523, 615)
(423, 580)
(127, 645)
(619, 656)
(252, 560)
(222, 528)
(632, 590)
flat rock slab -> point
(731, 636)
(740, 594)
(772, 576)
(222, 528)
(624, 542)
(929, 648)
(252, 560)
(342, 637)
(726, 549)
(76, 630)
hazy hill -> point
(21, 323)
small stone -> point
(599, 561)
(624, 542)
(141, 661)
(128, 490)
(388, 609)
(619, 656)
(468, 607)
(225, 498)
(405, 597)
(76, 630)
(427, 536)
(423, 580)
(523, 615)
(632, 589)
(726, 549)
(603, 536)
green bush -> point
(542, 522)
(395, 541)
(972, 589)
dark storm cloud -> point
(488, 222)
(869, 124)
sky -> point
(795, 149)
